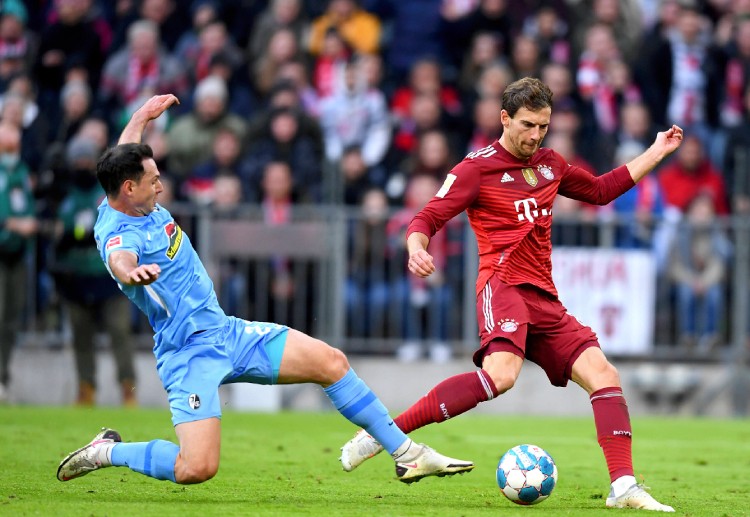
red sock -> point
(613, 430)
(450, 398)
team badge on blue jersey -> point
(530, 177)
(174, 233)
(194, 401)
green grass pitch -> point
(287, 464)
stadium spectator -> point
(736, 165)
(360, 29)
(690, 174)
(19, 107)
(423, 302)
(226, 150)
(357, 177)
(642, 218)
(295, 73)
(575, 222)
(487, 125)
(75, 106)
(18, 44)
(141, 69)
(277, 14)
(525, 59)
(286, 94)
(635, 124)
(683, 79)
(202, 13)
(425, 115)
(432, 156)
(623, 17)
(425, 78)
(519, 314)
(330, 64)
(489, 16)
(484, 51)
(355, 114)
(367, 288)
(212, 40)
(283, 141)
(551, 33)
(70, 43)
(698, 268)
(492, 81)
(170, 21)
(19, 225)
(198, 347)
(192, 134)
(99, 306)
(283, 47)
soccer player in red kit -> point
(507, 190)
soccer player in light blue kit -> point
(197, 346)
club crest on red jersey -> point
(174, 233)
(529, 176)
(546, 171)
(508, 325)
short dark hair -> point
(529, 93)
(120, 163)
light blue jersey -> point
(182, 301)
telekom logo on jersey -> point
(529, 210)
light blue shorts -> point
(242, 351)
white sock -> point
(621, 485)
(402, 449)
(104, 454)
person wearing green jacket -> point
(92, 299)
(18, 226)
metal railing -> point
(319, 273)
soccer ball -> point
(526, 474)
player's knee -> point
(332, 366)
(602, 375)
(339, 363)
(503, 381)
(608, 375)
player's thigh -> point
(200, 443)
(307, 359)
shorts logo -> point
(508, 325)
(194, 401)
(546, 171)
(114, 242)
(174, 233)
(530, 177)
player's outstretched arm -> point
(666, 143)
(150, 110)
(124, 265)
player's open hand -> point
(157, 105)
(420, 263)
(144, 274)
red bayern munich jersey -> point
(509, 204)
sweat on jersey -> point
(509, 205)
(182, 300)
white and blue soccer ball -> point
(526, 474)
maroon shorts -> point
(533, 324)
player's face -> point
(145, 192)
(523, 134)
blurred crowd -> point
(366, 104)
